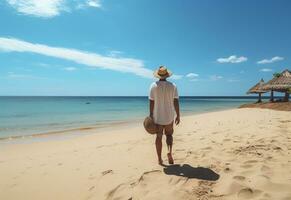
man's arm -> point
(177, 109)
(152, 103)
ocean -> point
(24, 116)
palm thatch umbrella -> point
(257, 89)
(280, 83)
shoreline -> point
(281, 106)
(85, 130)
(82, 130)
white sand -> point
(234, 154)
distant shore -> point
(283, 106)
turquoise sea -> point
(22, 116)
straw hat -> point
(150, 125)
(162, 73)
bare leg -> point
(169, 134)
(159, 144)
(169, 141)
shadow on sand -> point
(191, 172)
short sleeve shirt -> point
(163, 94)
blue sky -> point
(111, 47)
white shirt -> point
(163, 94)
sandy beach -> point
(233, 154)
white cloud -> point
(94, 3)
(70, 68)
(215, 77)
(121, 64)
(82, 4)
(115, 53)
(266, 70)
(192, 75)
(232, 59)
(50, 8)
(38, 8)
(272, 60)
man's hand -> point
(177, 120)
(177, 109)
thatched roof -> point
(257, 88)
(280, 83)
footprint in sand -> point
(227, 170)
(207, 148)
(91, 188)
(239, 178)
(277, 148)
(97, 147)
(248, 193)
(269, 157)
(246, 166)
(272, 141)
(110, 171)
(250, 161)
(285, 121)
(265, 177)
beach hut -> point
(280, 83)
(257, 89)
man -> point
(164, 105)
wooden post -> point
(286, 98)
(272, 96)
(260, 98)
